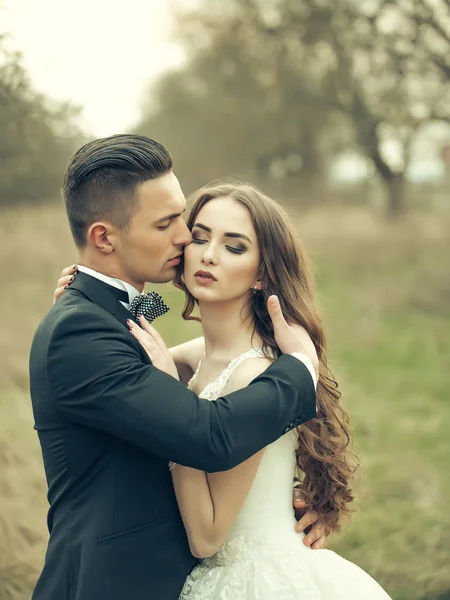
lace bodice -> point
(215, 388)
(269, 504)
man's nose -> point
(184, 237)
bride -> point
(240, 522)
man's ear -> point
(101, 236)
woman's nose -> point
(209, 257)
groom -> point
(108, 421)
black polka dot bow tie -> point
(149, 305)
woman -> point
(244, 250)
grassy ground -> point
(385, 290)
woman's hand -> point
(67, 277)
(154, 345)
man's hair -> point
(101, 180)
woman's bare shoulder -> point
(189, 353)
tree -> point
(276, 80)
(235, 110)
(37, 136)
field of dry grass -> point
(385, 289)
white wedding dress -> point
(263, 557)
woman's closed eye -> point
(233, 249)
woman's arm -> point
(187, 356)
(210, 503)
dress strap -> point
(194, 376)
(213, 390)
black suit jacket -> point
(108, 422)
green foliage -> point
(37, 137)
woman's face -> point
(221, 264)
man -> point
(108, 421)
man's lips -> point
(176, 258)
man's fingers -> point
(308, 519)
(315, 535)
(320, 543)
(299, 504)
(299, 501)
(274, 308)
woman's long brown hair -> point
(324, 457)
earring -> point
(255, 290)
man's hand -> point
(291, 338)
(316, 534)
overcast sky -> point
(100, 54)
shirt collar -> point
(117, 283)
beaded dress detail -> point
(263, 557)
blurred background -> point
(341, 111)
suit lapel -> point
(99, 293)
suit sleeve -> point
(98, 380)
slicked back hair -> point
(101, 180)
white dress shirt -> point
(133, 292)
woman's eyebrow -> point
(237, 235)
(228, 234)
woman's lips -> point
(204, 278)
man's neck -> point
(111, 272)
(130, 291)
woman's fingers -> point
(149, 354)
(146, 325)
(67, 280)
(69, 270)
(64, 282)
(144, 338)
(153, 332)
(145, 332)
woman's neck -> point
(228, 329)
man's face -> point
(150, 248)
